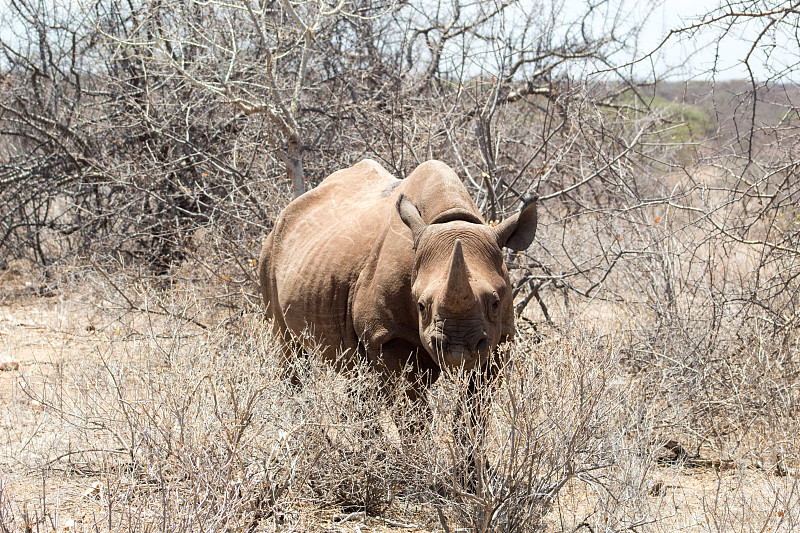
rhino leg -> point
(398, 359)
(471, 421)
(269, 293)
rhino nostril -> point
(482, 346)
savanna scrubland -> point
(146, 148)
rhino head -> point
(460, 283)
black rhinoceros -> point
(404, 273)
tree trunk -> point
(294, 165)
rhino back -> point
(319, 245)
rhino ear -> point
(411, 217)
(517, 231)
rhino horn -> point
(457, 292)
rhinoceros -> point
(405, 274)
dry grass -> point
(165, 409)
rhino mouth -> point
(462, 353)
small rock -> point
(95, 491)
(67, 524)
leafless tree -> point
(718, 262)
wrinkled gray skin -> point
(400, 272)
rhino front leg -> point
(470, 428)
(410, 369)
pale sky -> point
(700, 53)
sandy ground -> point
(38, 334)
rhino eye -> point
(421, 308)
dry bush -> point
(187, 418)
(179, 417)
(165, 415)
(188, 421)
(551, 417)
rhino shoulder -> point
(381, 306)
